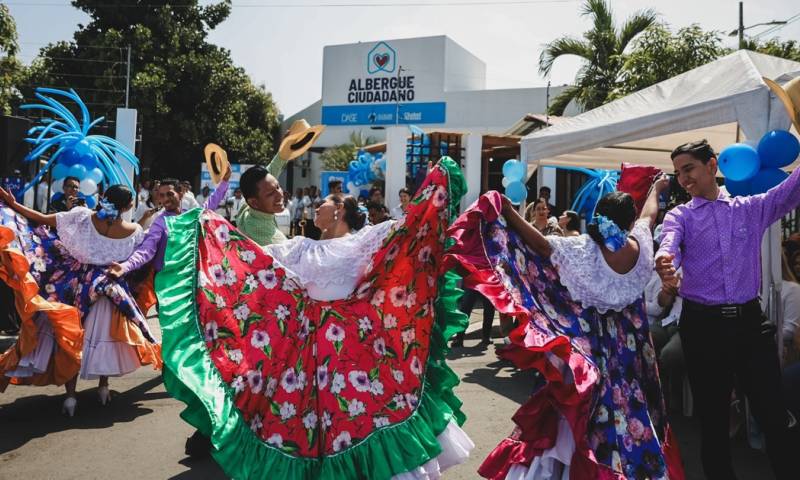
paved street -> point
(139, 436)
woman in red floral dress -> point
(318, 359)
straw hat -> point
(789, 95)
(217, 162)
(298, 139)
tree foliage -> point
(11, 69)
(338, 158)
(658, 54)
(789, 49)
(188, 92)
(601, 49)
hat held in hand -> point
(216, 161)
(300, 137)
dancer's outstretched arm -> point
(650, 208)
(33, 215)
(528, 232)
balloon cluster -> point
(514, 173)
(749, 170)
(92, 159)
(364, 170)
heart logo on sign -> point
(381, 59)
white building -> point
(380, 87)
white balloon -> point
(88, 187)
(352, 189)
(56, 186)
(506, 181)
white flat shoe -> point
(69, 406)
(104, 395)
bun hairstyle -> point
(353, 216)
(120, 196)
(617, 207)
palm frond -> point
(563, 46)
(602, 16)
(560, 103)
(634, 25)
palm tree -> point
(602, 50)
(338, 157)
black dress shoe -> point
(198, 445)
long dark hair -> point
(574, 222)
(617, 207)
(119, 195)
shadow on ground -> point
(36, 416)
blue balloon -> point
(69, 157)
(738, 189)
(517, 192)
(739, 162)
(767, 178)
(82, 148)
(91, 201)
(514, 170)
(778, 148)
(78, 171)
(59, 171)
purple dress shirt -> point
(718, 243)
(155, 242)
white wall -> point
(462, 69)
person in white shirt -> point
(205, 192)
(188, 201)
(144, 192)
(400, 210)
(235, 204)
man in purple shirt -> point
(716, 239)
(155, 242)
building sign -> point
(382, 87)
(237, 169)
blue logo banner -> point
(384, 114)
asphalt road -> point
(140, 436)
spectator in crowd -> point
(144, 191)
(69, 197)
(297, 211)
(147, 211)
(545, 192)
(311, 229)
(334, 187)
(378, 213)
(235, 204)
(400, 210)
(205, 192)
(570, 223)
(538, 215)
(188, 201)
(376, 195)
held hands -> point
(7, 198)
(115, 270)
(666, 270)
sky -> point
(280, 42)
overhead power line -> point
(774, 29)
(437, 3)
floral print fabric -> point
(600, 368)
(313, 378)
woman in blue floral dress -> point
(582, 325)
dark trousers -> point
(468, 303)
(718, 345)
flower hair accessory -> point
(107, 211)
(614, 237)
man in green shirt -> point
(262, 191)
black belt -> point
(731, 310)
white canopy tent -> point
(707, 102)
(724, 101)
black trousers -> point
(720, 343)
(468, 303)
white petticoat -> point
(553, 463)
(102, 355)
(456, 446)
(36, 361)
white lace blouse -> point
(330, 269)
(84, 242)
(591, 281)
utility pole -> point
(741, 25)
(128, 78)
